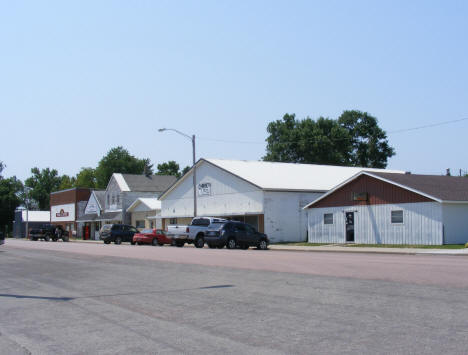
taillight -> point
(187, 230)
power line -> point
(338, 139)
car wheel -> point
(46, 238)
(106, 242)
(211, 246)
(118, 240)
(160, 244)
(155, 242)
(231, 243)
(180, 244)
(132, 242)
(262, 245)
(199, 242)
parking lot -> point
(94, 298)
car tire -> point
(262, 245)
(132, 243)
(66, 239)
(106, 242)
(160, 244)
(199, 242)
(154, 242)
(211, 246)
(118, 240)
(231, 243)
(54, 239)
(179, 244)
(46, 238)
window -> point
(173, 221)
(397, 216)
(118, 199)
(113, 199)
(201, 222)
(328, 218)
(140, 224)
(108, 200)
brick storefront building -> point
(67, 206)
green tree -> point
(119, 160)
(10, 189)
(185, 170)
(354, 139)
(169, 168)
(86, 178)
(66, 182)
(42, 183)
(369, 141)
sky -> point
(78, 78)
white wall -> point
(422, 224)
(229, 195)
(285, 220)
(455, 217)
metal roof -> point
(290, 176)
(151, 203)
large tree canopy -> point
(10, 190)
(86, 178)
(119, 160)
(171, 168)
(354, 139)
(41, 184)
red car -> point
(151, 236)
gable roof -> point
(100, 197)
(284, 176)
(143, 183)
(151, 203)
(439, 188)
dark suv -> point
(117, 233)
(235, 234)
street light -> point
(192, 138)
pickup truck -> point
(194, 233)
(49, 231)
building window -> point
(397, 216)
(113, 199)
(140, 224)
(108, 200)
(328, 218)
(173, 221)
(118, 199)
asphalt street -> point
(71, 298)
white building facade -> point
(269, 196)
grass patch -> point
(445, 246)
(302, 244)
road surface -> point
(75, 298)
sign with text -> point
(204, 189)
(62, 213)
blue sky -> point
(78, 78)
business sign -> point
(204, 189)
(62, 213)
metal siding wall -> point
(229, 195)
(455, 217)
(285, 220)
(127, 198)
(422, 224)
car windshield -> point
(216, 226)
(147, 231)
(106, 227)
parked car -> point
(193, 233)
(151, 236)
(235, 235)
(48, 232)
(2, 238)
(117, 233)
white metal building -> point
(268, 195)
(383, 208)
(145, 213)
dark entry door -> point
(350, 226)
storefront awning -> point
(88, 218)
(110, 216)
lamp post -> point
(192, 138)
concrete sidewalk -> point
(334, 248)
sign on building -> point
(204, 189)
(62, 213)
